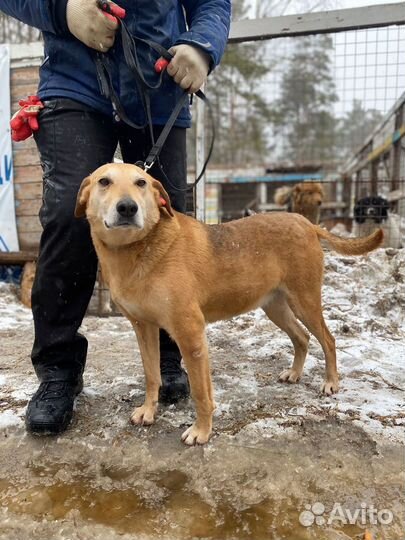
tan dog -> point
(304, 198)
(167, 270)
(27, 282)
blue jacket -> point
(68, 69)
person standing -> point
(78, 132)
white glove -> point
(189, 67)
(89, 25)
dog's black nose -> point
(127, 208)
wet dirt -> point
(147, 485)
(276, 451)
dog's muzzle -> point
(371, 211)
(126, 214)
(126, 208)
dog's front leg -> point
(192, 342)
(148, 340)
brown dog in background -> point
(167, 270)
(304, 198)
(27, 281)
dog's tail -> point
(282, 195)
(351, 246)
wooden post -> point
(396, 151)
(199, 191)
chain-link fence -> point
(323, 108)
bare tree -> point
(13, 31)
(274, 8)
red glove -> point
(25, 121)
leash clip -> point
(144, 165)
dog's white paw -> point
(289, 375)
(330, 387)
(194, 435)
(143, 416)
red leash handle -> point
(25, 121)
(114, 12)
(111, 10)
(161, 65)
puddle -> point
(179, 513)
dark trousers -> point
(73, 140)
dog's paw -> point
(143, 416)
(330, 387)
(194, 435)
(289, 375)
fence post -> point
(199, 191)
(397, 147)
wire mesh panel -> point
(334, 88)
(324, 108)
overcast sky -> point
(367, 65)
(296, 6)
(360, 3)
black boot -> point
(175, 384)
(50, 409)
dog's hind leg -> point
(280, 313)
(148, 341)
(308, 308)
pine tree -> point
(303, 115)
(355, 127)
(241, 111)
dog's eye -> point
(141, 182)
(104, 182)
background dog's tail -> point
(351, 246)
(282, 195)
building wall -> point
(27, 170)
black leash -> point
(103, 68)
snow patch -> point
(8, 419)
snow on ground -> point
(275, 446)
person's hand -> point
(188, 67)
(90, 25)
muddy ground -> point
(277, 449)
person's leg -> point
(73, 140)
(135, 146)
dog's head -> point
(372, 208)
(122, 203)
(308, 194)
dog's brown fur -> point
(304, 198)
(178, 274)
(27, 282)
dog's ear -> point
(385, 207)
(359, 211)
(297, 196)
(162, 197)
(82, 198)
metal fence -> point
(350, 133)
(351, 138)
